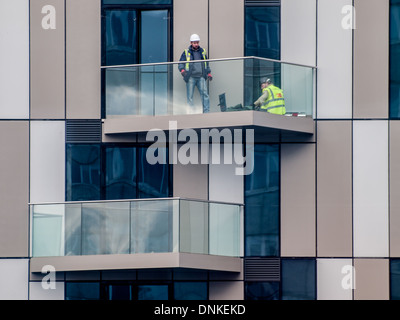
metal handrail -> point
(208, 60)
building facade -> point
(84, 214)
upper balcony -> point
(138, 98)
(136, 234)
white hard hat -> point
(194, 37)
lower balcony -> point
(137, 234)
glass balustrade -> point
(160, 89)
(136, 226)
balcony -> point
(138, 98)
(136, 234)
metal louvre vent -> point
(262, 269)
(83, 131)
(260, 3)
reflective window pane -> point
(394, 52)
(120, 173)
(262, 203)
(82, 291)
(262, 32)
(153, 178)
(262, 290)
(119, 292)
(154, 36)
(83, 172)
(190, 291)
(153, 292)
(298, 279)
(395, 279)
(120, 37)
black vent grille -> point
(260, 3)
(83, 131)
(262, 269)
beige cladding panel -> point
(394, 188)
(298, 200)
(226, 28)
(371, 279)
(226, 290)
(334, 189)
(83, 58)
(371, 59)
(14, 192)
(190, 16)
(47, 27)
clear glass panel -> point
(160, 89)
(105, 228)
(121, 92)
(262, 32)
(153, 292)
(193, 227)
(48, 230)
(190, 290)
(298, 279)
(73, 229)
(120, 173)
(83, 172)
(140, 226)
(121, 37)
(224, 229)
(152, 226)
(262, 203)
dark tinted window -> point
(298, 279)
(394, 52)
(83, 172)
(262, 31)
(262, 203)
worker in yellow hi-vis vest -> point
(272, 99)
(195, 74)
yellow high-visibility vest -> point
(187, 53)
(275, 102)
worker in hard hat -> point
(272, 99)
(196, 74)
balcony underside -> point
(263, 123)
(138, 261)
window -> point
(394, 56)
(136, 290)
(115, 171)
(134, 33)
(395, 279)
(82, 291)
(262, 29)
(298, 279)
(262, 290)
(262, 203)
(190, 291)
(83, 172)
